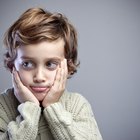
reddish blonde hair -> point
(36, 25)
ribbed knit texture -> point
(69, 119)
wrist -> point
(44, 105)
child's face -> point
(37, 65)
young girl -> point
(42, 55)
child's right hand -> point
(21, 92)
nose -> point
(39, 76)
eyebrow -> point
(48, 59)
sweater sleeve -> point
(25, 126)
(73, 121)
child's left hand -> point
(58, 87)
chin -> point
(40, 98)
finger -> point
(63, 74)
(15, 85)
(65, 69)
(17, 80)
(14, 79)
(58, 74)
(57, 80)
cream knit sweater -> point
(69, 119)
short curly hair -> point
(36, 25)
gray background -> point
(109, 51)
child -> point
(42, 55)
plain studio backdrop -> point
(109, 51)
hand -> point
(58, 86)
(21, 92)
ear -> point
(11, 66)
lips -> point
(39, 89)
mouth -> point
(39, 89)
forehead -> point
(43, 49)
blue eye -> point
(27, 65)
(52, 65)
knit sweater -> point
(69, 119)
